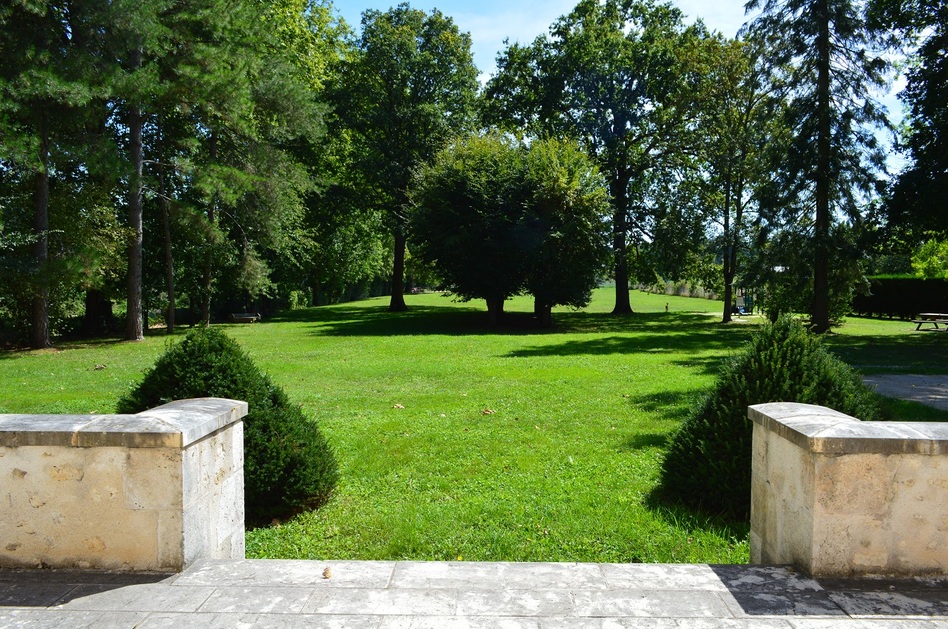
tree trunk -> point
(39, 328)
(169, 256)
(134, 331)
(821, 306)
(543, 313)
(729, 244)
(620, 229)
(495, 310)
(397, 304)
(208, 278)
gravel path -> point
(930, 390)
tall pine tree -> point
(826, 50)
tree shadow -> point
(921, 353)
(690, 519)
(656, 333)
(61, 346)
(417, 321)
(643, 441)
(673, 406)
(459, 320)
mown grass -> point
(458, 440)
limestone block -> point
(153, 491)
(840, 497)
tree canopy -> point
(407, 88)
(496, 219)
(617, 76)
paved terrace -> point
(227, 594)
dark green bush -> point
(708, 463)
(288, 465)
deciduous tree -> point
(616, 76)
(497, 219)
(409, 88)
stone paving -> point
(930, 390)
(433, 595)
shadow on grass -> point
(693, 520)
(894, 410)
(921, 353)
(655, 333)
(60, 346)
(378, 321)
(675, 328)
(668, 405)
(643, 441)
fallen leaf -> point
(327, 573)
(398, 406)
(487, 411)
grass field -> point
(459, 441)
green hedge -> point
(288, 465)
(708, 463)
(904, 298)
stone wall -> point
(148, 492)
(835, 496)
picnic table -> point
(934, 319)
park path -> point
(930, 390)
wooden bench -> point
(934, 319)
(244, 317)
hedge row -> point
(902, 298)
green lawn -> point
(455, 440)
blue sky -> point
(491, 21)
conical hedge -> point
(708, 463)
(288, 465)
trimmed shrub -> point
(708, 463)
(288, 465)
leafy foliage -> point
(497, 219)
(708, 463)
(923, 186)
(470, 219)
(568, 203)
(408, 88)
(288, 464)
(931, 260)
(780, 269)
(617, 76)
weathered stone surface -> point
(123, 492)
(839, 497)
(275, 593)
(176, 424)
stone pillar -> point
(839, 497)
(148, 492)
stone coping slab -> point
(174, 425)
(826, 431)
